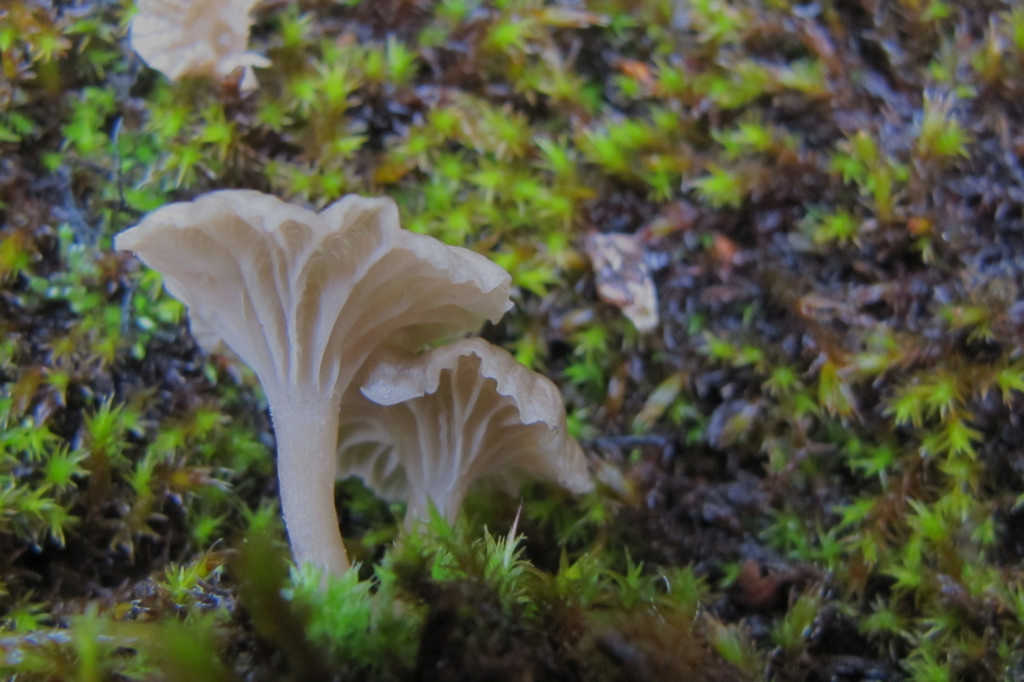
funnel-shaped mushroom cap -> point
(304, 298)
(196, 37)
(431, 426)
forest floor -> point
(808, 453)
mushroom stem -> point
(307, 444)
(418, 508)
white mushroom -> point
(183, 38)
(304, 299)
(428, 427)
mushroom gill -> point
(426, 428)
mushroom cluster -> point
(314, 302)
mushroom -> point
(425, 428)
(304, 298)
(183, 38)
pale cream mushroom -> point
(304, 298)
(425, 428)
(183, 38)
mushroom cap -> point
(304, 298)
(429, 426)
(183, 38)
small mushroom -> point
(304, 298)
(182, 38)
(425, 428)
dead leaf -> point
(659, 401)
(637, 70)
(623, 277)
